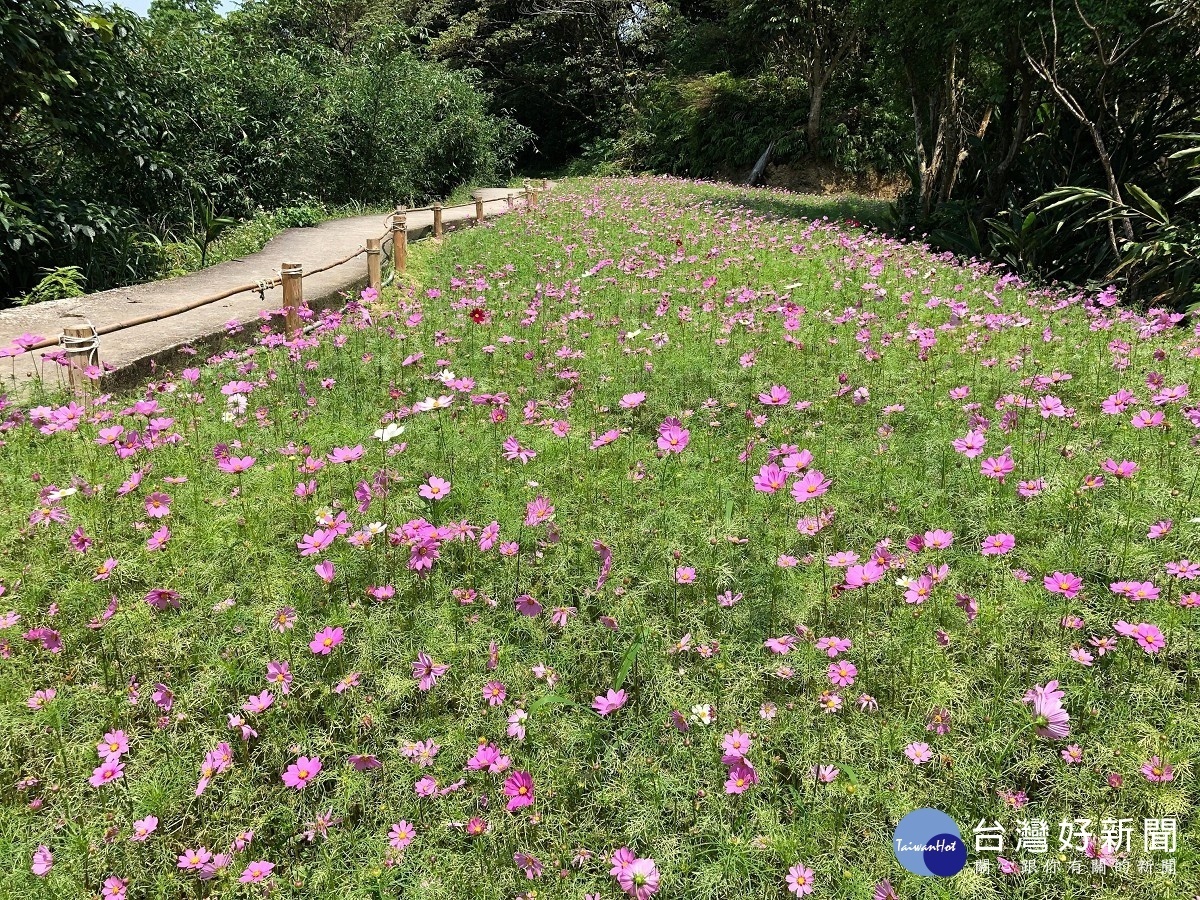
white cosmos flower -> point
(389, 432)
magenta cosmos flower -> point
(518, 787)
(325, 640)
(427, 671)
(997, 544)
(301, 772)
(107, 772)
(1065, 583)
(610, 702)
(235, 465)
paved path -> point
(135, 350)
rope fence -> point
(81, 343)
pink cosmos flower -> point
(435, 489)
(325, 640)
(143, 828)
(235, 465)
(301, 772)
(632, 401)
(971, 444)
(640, 879)
(741, 777)
(610, 702)
(736, 744)
(1156, 771)
(832, 646)
(256, 872)
(114, 888)
(997, 544)
(325, 571)
(997, 467)
(279, 674)
(1149, 638)
(770, 478)
(842, 673)
(685, 575)
(810, 485)
(527, 606)
(192, 860)
(800, 880)
(494, 693)
(41, 698)
(518, 787)
(1159, 529)
(1049, 715)
(158, 505)
(401, 835)
(673, 438)
(938, 539)
(113, 745)
(259, 702)
(538, 512)
(778, 395)
(918, 752)
(43, 861)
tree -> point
(818, 35)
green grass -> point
(677, 290)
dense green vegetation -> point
(731, 538)
(117, 133)
(124, 140)
(982, 107)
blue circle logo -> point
(927, 842)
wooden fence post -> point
(478, 195)
(437, 220)
(374, 268)
(83, 347)
(509, 198)
(400, 240)
(546, 185)
(292, 277)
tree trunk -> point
(816, 94)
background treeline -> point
(978, 107)
(124, 139)
(1056, 135)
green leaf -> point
(547, 700)
(1157, 212)
(629, 659)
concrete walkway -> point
(134, 351)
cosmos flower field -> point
(658, 541)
